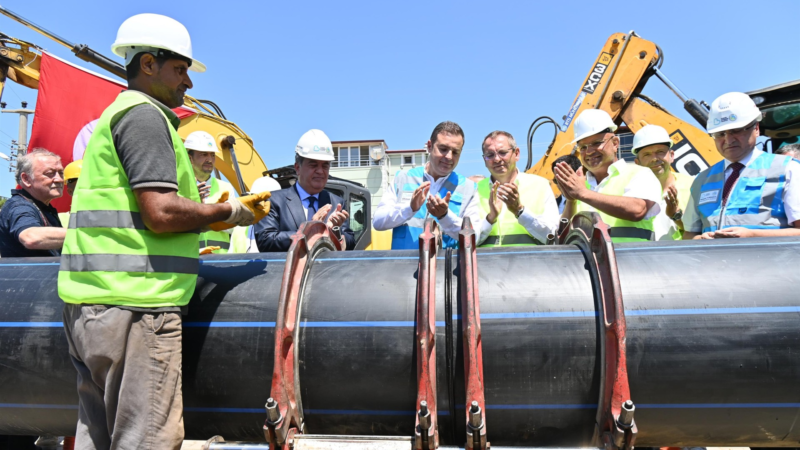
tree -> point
(2, 202)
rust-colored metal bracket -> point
(615, 427)
(426, 431)
(473, 347)
(284, 407)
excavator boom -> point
(614, 84)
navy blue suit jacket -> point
(274, 232)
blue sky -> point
(393, 70)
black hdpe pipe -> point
(713, 338)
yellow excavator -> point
(615, 84)
(241, 164)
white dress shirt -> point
(791, 194)
(393, 212)
(643, 185)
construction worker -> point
(625, 195)
(131, 261)
(652, 147)
(307, 200)
(203, 152)
(434, 190)
(243, 239)
(518, 208)
(574, 162)
(749, 193)
(71, 174)
(29, 225)
(792, 150)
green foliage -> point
(2, 202)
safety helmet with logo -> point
(265, 184)
(732, 110)
(73, 170)
(314, 144)
(201, 142)
(151, 33)
(650, 135)
(591, 122)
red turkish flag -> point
(70, 100)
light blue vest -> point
(461, 190)
(756, 200)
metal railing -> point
(361, 162)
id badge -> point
(708, 197)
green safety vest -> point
(110, 257)
(619, 229)
(507, 232)
(222, 239)
(683, 183)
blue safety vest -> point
(461, 191)
(756, 200)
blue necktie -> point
(311, 208)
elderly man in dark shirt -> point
(29, 226)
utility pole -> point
(20, 146)
(22, 142)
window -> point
(408, 160)
(349, 157)
(357, 215)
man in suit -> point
(306, 200)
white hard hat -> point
(151, 32)
(265, 184)
(201, 142)
(314, 144)
(650, 135)
(591, 122)
(732, 110)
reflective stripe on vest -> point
(622, 230)
(756, 200)
(110, 257)
(210, 238)
(461, 191)
(507, 231)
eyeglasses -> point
(503, 154)
(734, 132)
(594, 145)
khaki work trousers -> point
(129, 377)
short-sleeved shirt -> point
(643, 185)
(19, 213)
(144, 144)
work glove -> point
(210, 249)
(245, 210)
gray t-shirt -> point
(144, 145)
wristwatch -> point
(678, 215)
(520, 211)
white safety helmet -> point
(732, 110)
(201, 142)
(314, 144)
(153, 32)
(591, 122)
(650, 135)
(265, 184)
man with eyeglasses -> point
(625, 195)
(517, 208)
(433, 190)
(652, 147)
(749, 193)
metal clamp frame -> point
(284, 407)
(615, 427)
(426, 431)
(473, 347)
